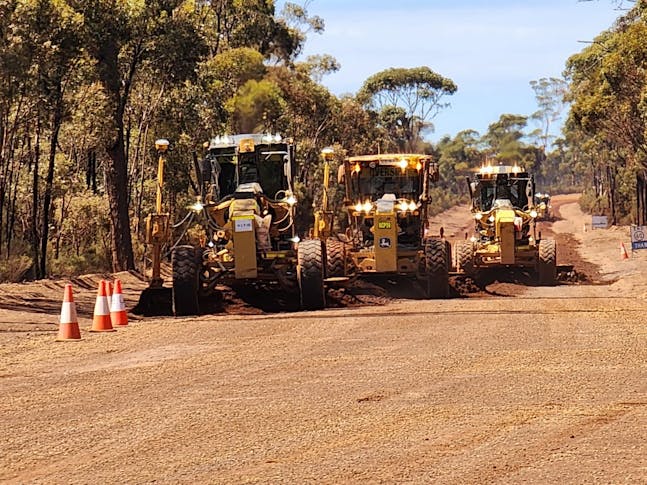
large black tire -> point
(465, 252)
(436, 266)
(547, 262)
(335, 259)
(310, 274)
(448, 251)
(186, 262)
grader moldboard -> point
(386, 200)
(505, 233)
(246, 204)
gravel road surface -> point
(514, 384)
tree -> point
(415, 93)
(254, 107)
(608, 110)
(121, 37)
(53, 31)
(549, 93)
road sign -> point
(638, 237)
(599, 222)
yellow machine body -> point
(245, 246)
(157, 228)
(505, 235)
(385, 230)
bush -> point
(15, 269)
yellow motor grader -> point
(386, 203)
(505, 232)
(245, 209)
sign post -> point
(638, 237)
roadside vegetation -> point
(86, 87)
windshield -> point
(229, 170)
(503, 188)
(374, 182)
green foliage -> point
(406, 99)
(608, 89)
(255, 103)
(550, 94)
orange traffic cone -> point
(623, 251)
(69, 325)
(101, 320)
(109, 293)
(118, 308)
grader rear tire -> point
(436, 265)
(335, 259)
(186, 262)
(547, 262)
(310, 274)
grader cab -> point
(386, 203)
(505, 232)
(245, 214)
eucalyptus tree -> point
(122, 37)
(407, 99)
(608, 91)
(14, 110)
(52, 31)
(504, 140)
(550, 94)
(231, 24)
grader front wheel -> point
(186, 263)
(436, 265)
(465, 252)
(310, 274)
(335, 259)
(547, 262)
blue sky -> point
(490, 49)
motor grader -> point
(505, 232)
(245, 213)
(386, 204)
(543, 206)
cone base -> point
(68, 340)
(103, 330)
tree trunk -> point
(57, 119)
(611, 179)
(116, 188)
(641, 198)
(35, 238)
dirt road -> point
(541, 385)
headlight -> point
(478, 216)
(403, 206)
(295, 239)
(533, 213)
(491, 218)
(412, 206)
(368, 206)
(358, 207)
(291, 200)
(197, 207)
